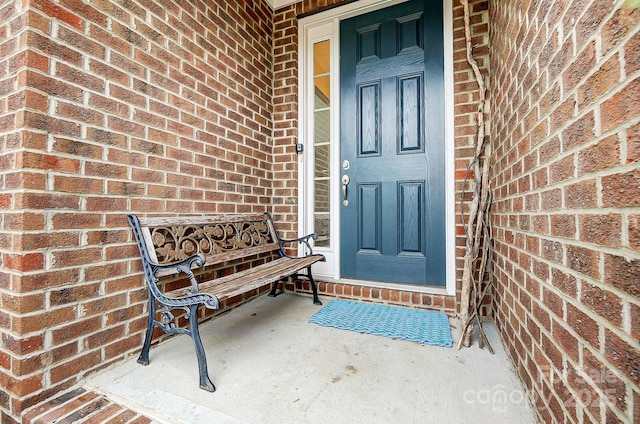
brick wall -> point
(110, 107)
(10, 101)
(566, 134)
(139, 106)
(286, 135)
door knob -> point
(345, 183)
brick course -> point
(572, 98)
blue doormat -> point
(427, 327)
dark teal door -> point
(392, 145)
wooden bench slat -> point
(249, 279)
(199, 219)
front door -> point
(392, 145)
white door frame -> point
(326, 26)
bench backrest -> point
(218, 238)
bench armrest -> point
(209, 300)
(187, 263)
(184, 266)
(300, 240)
(192, 297)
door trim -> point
(325, 26)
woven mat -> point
(427, 327)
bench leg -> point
(308, 276)
(314, 288)
(205, 381)
(274, 289)
(144, 355)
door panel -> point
(392, 135)
(410, 113)
(410, 223)
(369, 217)
(369, 119)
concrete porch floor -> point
(270, 365)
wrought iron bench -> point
(178, 245)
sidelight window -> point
(322, 142)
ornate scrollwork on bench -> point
(174, 243)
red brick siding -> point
(173, 108)
(391, 296)
(13, 98)
(108, 108)
(286, 134)
(565, 102)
